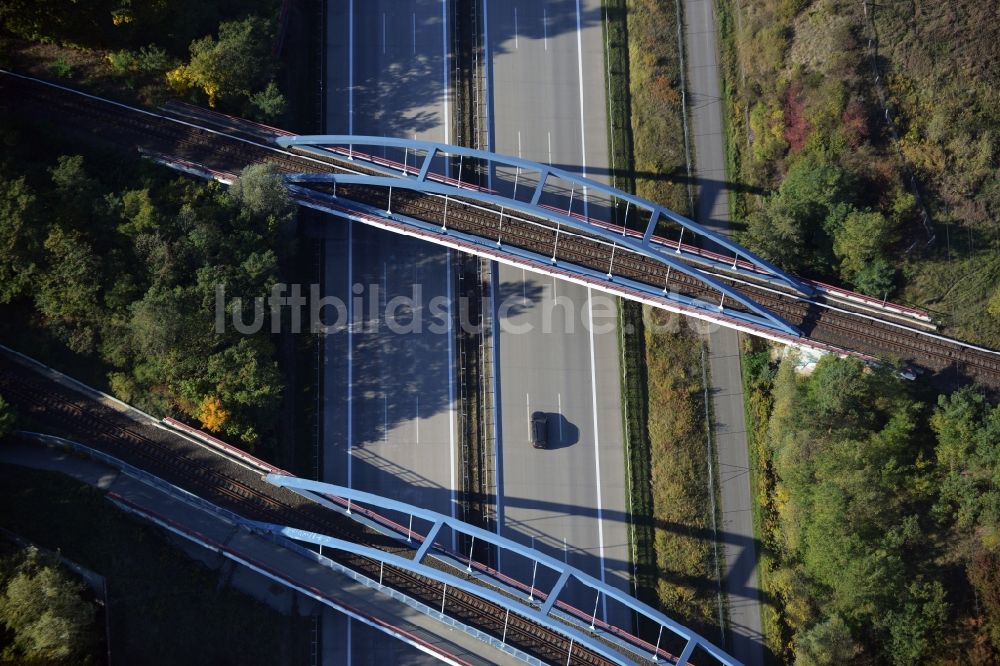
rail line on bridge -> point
(366, 541)
(217, 146)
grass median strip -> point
(662, 393)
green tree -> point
(875, 278)
(75, 191)
(984, 574)
(836, 389)
(827, 643)
(792, 226)
(44, 609)
(813, 185)
(269, 103)
(139, 213)
(968, 454)
(19, 238)
(234, 65)
(776, 232)
(915, 621)
(993, 305)
(247, 381)
(261, 191)
(68, 291)
(860, 244)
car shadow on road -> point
(561, 432)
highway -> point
(388, 412)
(712, 210)
(548, 104)
(127, 128)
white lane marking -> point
(414, 21)
(565, 551)
(451, 391)
(527, 412)
(519, 143)
(549, 134)
(416, 420)
(498, 409)
(559, 416)
(444, 70)
(545, 27)
(350, 71)
(583, 131)
(597, 451)
(385, 418)
(385, 292)
(555, 290)
(515, 27)
(350, 347)
(383, 33)
(489, 91)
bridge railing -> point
(350, 499)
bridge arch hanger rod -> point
(423, 183)
(545, 172)
(319, 492)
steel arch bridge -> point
(541, 604)
(550, 194)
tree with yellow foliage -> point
(212, 415)
(236, 64)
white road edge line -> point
(350, 348)
(583, 131)
(597, 452)
(559, 417)
(527, 412)
(545, 27)
(451, 391)
(497, 407)
(515, 27)
(444, 71)
(451, 295)
(350, 67)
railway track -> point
(226, 144)
(63, 412)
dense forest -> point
(120, 262)
(879, 516)
(220, 53)
(867, 135)
(47, 615)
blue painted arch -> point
(322, 493)
(422, 179)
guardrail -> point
(223, 447)
(327, 494)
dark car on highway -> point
(539, 430)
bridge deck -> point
(827, 321)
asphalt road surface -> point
(388, 417)
(712, 210)
(388, 412)
(548, 103)
(388, 68)
(388, 374)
